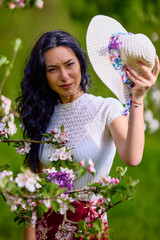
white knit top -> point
(87, 121)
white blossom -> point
(5, 173)
(27, 180)
(63, 207)
(154, 125)
(6, 104)
(47, 203)
(154, 37)
(2, 127)
(155, 94)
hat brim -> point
(98, 35)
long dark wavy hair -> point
(37, 100)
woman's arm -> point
(29, 233)
(129, 136)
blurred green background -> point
(138, 219)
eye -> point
(70, 64)
(51, 70)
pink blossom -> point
(116, 181)
(81, 163)
(5, 173)
(21, 3)
(40, 201)
(100, 181)
(91, 166)
(91, 169)
(112, 180)
(11, 5)
(107, 179)
(23, 148)
(39, 4)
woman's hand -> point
(142, 81)
(129, 136)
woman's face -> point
(63, 73)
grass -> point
(140, 219)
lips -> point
(66, 86)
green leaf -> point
(26, 223)
(97, 224)
(4, 167)
(62, 128)
(21, 221)
(92, 230)
(72, 208)
(40, 212)
(121, 171)
(87, 237)
(82, 225)
(16, 218)
(29, 213)
(60, 190)
(81, 172)
(55, 205)
(16, 145)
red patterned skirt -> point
(48, 227)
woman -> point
(54, 93)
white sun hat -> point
(105, 36)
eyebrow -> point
(69, 60)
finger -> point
(132, 72)
(157, 67)
(141, 81)
(145, 73)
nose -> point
(64, 75)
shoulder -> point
(105, 109)
(100, 102)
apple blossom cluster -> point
(57, 136)
(108, 180)
(7, 125)
(28, 180)
(27, 190)
(91, 166)
(22, 148)
(14, 4)
(61, 154)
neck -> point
(71, 98)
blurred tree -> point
(133, 14)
